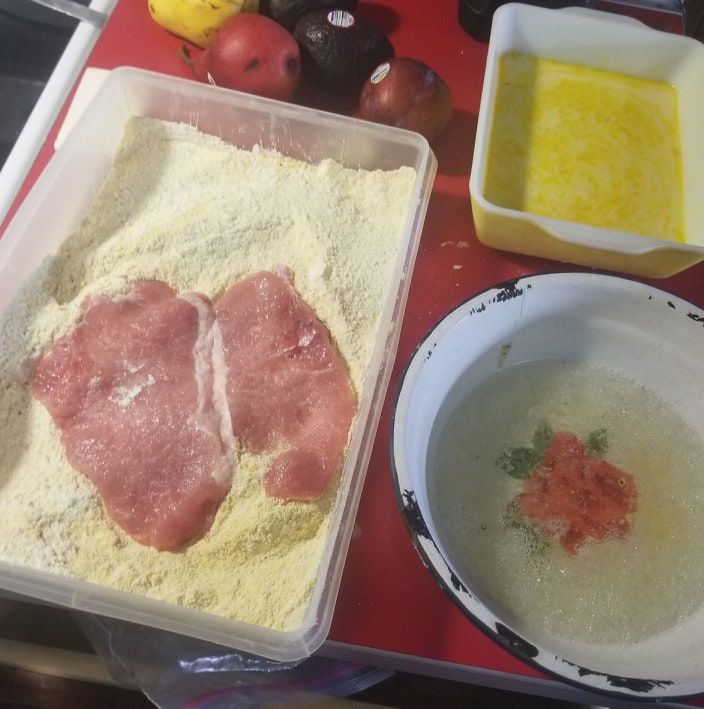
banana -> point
(197, 20)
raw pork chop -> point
(288, 388)
(131, 388)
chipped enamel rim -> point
(511, 301)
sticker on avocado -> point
(340, 18)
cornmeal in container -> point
(192, 376)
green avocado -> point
(289, 12)
(340, 50)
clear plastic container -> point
(64, 192)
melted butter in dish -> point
(588, 146)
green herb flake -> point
(518, 462)
(541, 438)
(513, 518)
(597, 443)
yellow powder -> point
(258, 563)
(199, 214)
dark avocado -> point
(289, 12)
(340, 50)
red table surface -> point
(388, 600)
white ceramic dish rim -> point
(612, 685)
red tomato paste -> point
(578, 497)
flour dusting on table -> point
(188, 209)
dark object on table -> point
(340, 50)
(676, 16)
(289, 12)
(475, 15)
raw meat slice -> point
(131, 389)
(287, 385)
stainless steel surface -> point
(32, 50)
(41, 638)
(666, 15)
(38, 43)
(75, 10)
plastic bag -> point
(177, 672)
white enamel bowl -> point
(653, 337)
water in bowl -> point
(623, 589)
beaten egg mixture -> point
(586, 145)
